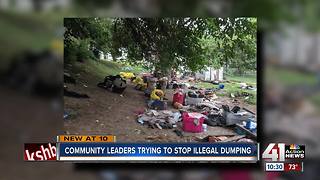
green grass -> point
(290, 77)
(249, 79)
(138, 70)
(99, 69)
(234, 87)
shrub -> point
(77, 50)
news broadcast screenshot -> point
(159, 90)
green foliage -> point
(163, 44)
(83, 50)
(233, 43)
(93, 36)
(70, 50)
(78, 50)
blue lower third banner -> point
(157, 152)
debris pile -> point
(245, 86)
(225, 138)
(116, 83)
(196, 109)
(161, 119)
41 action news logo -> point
(281, 151)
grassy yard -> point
(249, 79)
(126, 67)
(234, 87)
(290, 76)
(100, 69)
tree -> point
(92, 32)
(165, 42)
(233, 43)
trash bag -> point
(158, 105)
(147, 92)
(226, 108)
(232, 118)
(235, 109)
(175, 86)
(156, 94)
(208, 92)
(137, 80)
(107, 83)
(215, 120)
(178, 97)
(158, 85)
(119, 85)
(116, 83)
(192, 94)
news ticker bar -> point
(106, 151)
(283, 167)
(157, 152)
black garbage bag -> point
(192, 94)
(235, 109)
(226, 108)
(158, 85)
(119, 85)
(215, 120)
(116, 83)
(175, 86)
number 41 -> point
(275, 152)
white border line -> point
(156, 158)
(258, 151)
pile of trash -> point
(195, 110)
(245, 86)
(238, 94)
(226, 117)
(161, 119)
(116, 83)
(195, 119)
(242, 119)
(175, 84)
